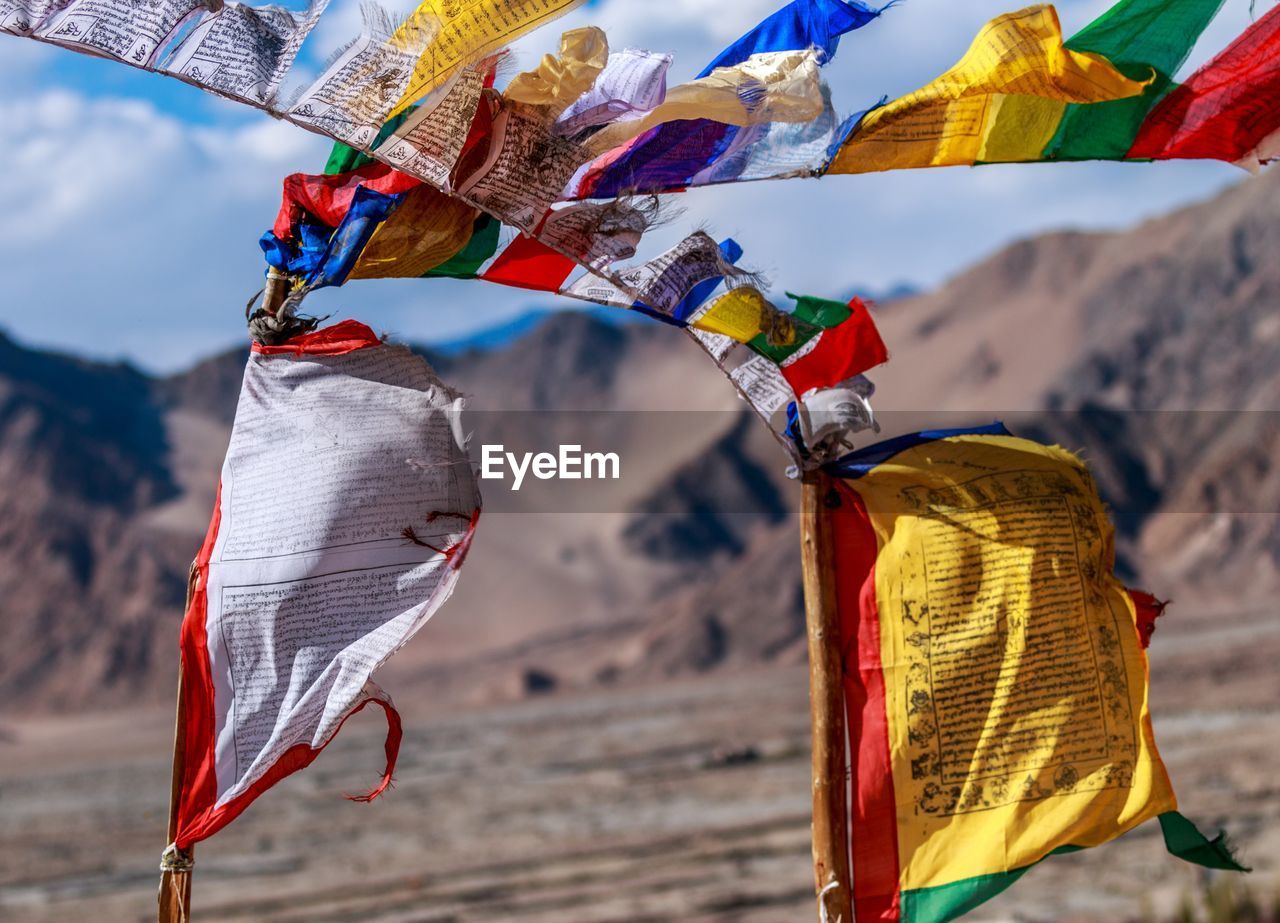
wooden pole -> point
(276, 290)
(174, 900)
(175, 875)
(826, 702)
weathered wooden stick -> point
(826, 702)
(174, 900)
(276, 290)
(175, 875)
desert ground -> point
(686, 800)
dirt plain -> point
(686, 800)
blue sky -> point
(131, 204)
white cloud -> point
(124, 227)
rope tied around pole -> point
(824, 915)
(278, 319)
(174, 859)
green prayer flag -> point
(1138, 37)
(811, 316)
(1183, 840)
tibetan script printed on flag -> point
(345, 509)
(994, 673)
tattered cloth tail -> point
(395, 733)
(1183, 840)
(1146, 610)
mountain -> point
(503, 334)
(494, 337)
(83, 461)
(1155, 351)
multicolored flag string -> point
(995, 681)
(695, 152)
(560, 154)
(1086, 98)
(1019, 59)
(354, 225)
(1096, 87)
(1224, 111)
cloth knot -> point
(174, 859)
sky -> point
(131, 204)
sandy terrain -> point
(686, 801)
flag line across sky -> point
(562, 153)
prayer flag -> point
(485, 233)
(559, 80)
(529, 263)
(1225, 110)
(673, 155)
(799, 24)
(1141, 38)
(426, 230)
(996, 681)
(461, 33)
(1017, 59)
(369, 222)
(345, 510)
(321, 256)
(327, 197)
(633, 81)
(810, 317)
(846, 348)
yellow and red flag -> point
(995, 676)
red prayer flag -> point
(837, 353)
(1225, 109)
(327, 196)
(529, 263)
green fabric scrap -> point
(466, 262)
(1183, 840)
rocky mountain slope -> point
(83, 459)
(1156, 351)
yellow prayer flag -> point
(427, 229)
(468, 30)
(740, 313)
(560, 79)
(953, 119)
(996, 679)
